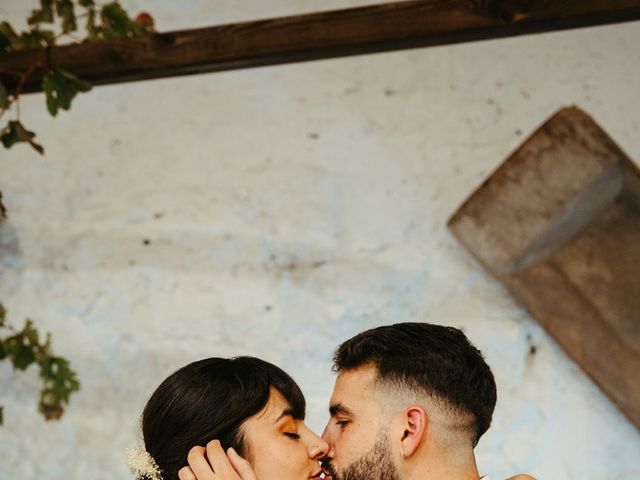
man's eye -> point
(295, 436)
(342, 423)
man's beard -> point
(376, 464)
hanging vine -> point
(60, 87)
(25, 347)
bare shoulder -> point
(521, 477)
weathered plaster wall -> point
(287, 208)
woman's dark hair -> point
(429, 359)
(210, 399)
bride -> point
(252, 407)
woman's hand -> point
(211, 463)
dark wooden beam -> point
(354, 31)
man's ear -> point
(415, 424)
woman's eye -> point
(295, 436)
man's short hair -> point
(430, 360)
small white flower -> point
(142, 464)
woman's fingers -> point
(241, 465)
(219, 461)
(199, 465)
(185, 473)
(212, 463)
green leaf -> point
(80, 85)
(30, 334)
(116, 23)
(87, 3)
(20, 354)
(37, 38)
(60, 88)
(8, 34)
(65, 11)
(15, 132)
(23, 357)
(59, 381)
(50, 88)
(93, 30)
(44, 15)
(5, 43)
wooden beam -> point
(378, 28)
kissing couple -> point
(410, 402)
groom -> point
(410, 402)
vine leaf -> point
(44, 15)
(59, 381)
(20, 347)
(37, 38)
(15, 132)
(5, 42)
(9, 39)
(94, 31)
(65, 10)
(60, 88)
(117, 24)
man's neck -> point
(460, 467)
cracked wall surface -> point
(277, 211)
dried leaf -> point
(146, 21)
(50, 412)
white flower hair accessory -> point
(142, 464)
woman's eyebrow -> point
(286, 413)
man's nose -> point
(327, 436)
